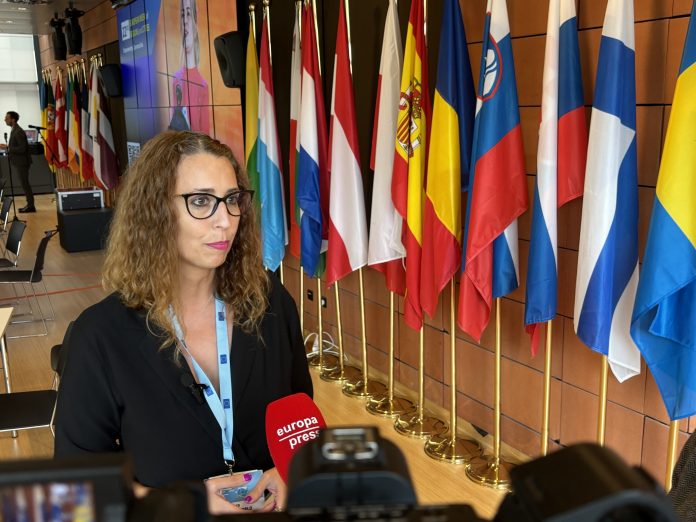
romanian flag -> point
(61, 133)
(274, 229)
(410, 157)
(251, 112)
(313, 173)
(449, 159)
(607, 277)
(347, 221)
(385, 250)
(664, 316)
(294, 148)
(561, 157)
(498, 185)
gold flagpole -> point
(602, 415)
(448, 447)
(492, 470)
(671, 452)
(547, 391)
(336, 373)
(389, 405)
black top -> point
(18, 147)
(121, 392)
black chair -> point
(5, 214)
(31, 278)
(13, 244)
(35, 409)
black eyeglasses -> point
(201, 205)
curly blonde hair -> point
(142, 259)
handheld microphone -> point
(194, 388)
(36, 127)
(5, 136)
(291, 422)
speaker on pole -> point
(229, 49)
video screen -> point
(49, 502)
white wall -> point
(19, 89)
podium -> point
(86, 229)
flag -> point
(274, 228)
(104, 155)
(410, 157)
(607, 276)
(347, 221)
(73, 122)
(50, 119)
(497, 184)
(251, 112)
(86, 161)
(294, 148)
(664, 315)
(385, 249)
(449, 159)
(313, 174)
(61, 134)
(561, 157)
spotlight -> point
(60, 50)
(73, 29)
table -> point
(5, 315)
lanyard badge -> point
(221, 405)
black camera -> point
(344, 474)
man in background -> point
(20, 159)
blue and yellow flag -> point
(664, 316)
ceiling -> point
(33, 16)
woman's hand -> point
(270, 481)
(217, 505)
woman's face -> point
(187, 23)
(203, 244)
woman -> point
(189, 96)
(184, 262)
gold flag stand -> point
(361, 385)
(492, 470)
(448, 447)
(602, 415)
(389, 405)
(671, 452)
(336, 373)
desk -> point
(5, 315)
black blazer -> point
(121, 392)
(18, 148)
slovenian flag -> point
(410, 157)
(274, 230)
(385, 250)
(347, 222)
(561, 158)
(664, 316)
(607, 276)
(449, 159)
(498, 185)
(313, 174)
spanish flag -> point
(664, 316)
(410, 158)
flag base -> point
(419, 426)
(490, 471)
(454, 450)
(358, 388)
(384, 406)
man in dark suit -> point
(20, 159)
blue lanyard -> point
(220, 406)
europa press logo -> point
(494, 71)
(299, 432)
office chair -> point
(31, 278)
(13, 244)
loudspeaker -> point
(229, 49)
(111, 74)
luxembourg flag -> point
(313, 173)
(347, 222)
(385, 250)
(497, 185)
(561, 158)
(607, 275)
(274, 229)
